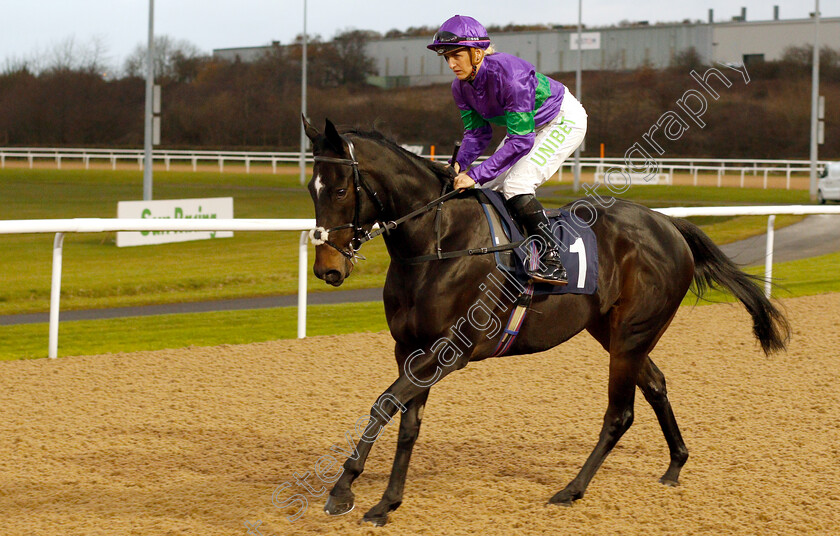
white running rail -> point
(766, 168)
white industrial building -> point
(407, 62)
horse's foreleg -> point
(652, 383)
(410, 422)
(341, 499)
(623, 372)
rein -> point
(320, 236)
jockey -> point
(544, 122)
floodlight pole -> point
(815, 90)
(150, 83)
(578, 90)
(303, 102)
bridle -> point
(320, 235)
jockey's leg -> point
(553, 143)
(528, 211)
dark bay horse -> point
(648, 262)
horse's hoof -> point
(565, 497)
(339, 507)
(376, 521)
(378, 515)
(669, 482)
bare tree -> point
(13, 65)
(69, 55)
(171, 58)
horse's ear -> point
(311, 132)
(333, 137)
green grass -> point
(88, 337)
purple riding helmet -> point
(458, 32)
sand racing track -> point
(195, 441)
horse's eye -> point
(341, 192)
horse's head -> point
(342, 206)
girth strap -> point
(517, 318)
(441, 255)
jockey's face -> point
(461, 62)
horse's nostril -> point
(333, 277)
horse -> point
(647, 264)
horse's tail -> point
(713, 269)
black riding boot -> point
(528, 211)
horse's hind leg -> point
(409, 431)
(652, 383)
(624, 368)
(629, 333)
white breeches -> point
(554, 142)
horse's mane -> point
(438, 169)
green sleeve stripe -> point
(499, 120)
(472, 120)
(519, 123)
(543, 91)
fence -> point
(666, 166)
(97, 225)
(31, 155)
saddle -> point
(575, 239)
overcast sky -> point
(33, 27)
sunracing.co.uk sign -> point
(211, 208)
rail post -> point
(55, 295)
(302, 270)
(768, 259)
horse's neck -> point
(453, 224)
(410, 189)
(406, 185)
